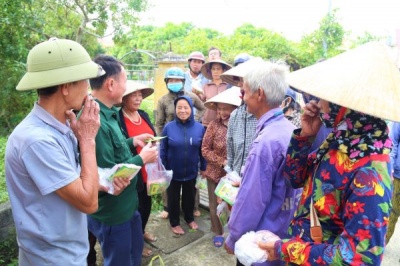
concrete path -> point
(197, 253)
(391, 257)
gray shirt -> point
(240, 135)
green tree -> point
(155, 40)
(13, 50)
(26, 23)
(311, 47)
(366, 37)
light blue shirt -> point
(200, 80)
(41, 157)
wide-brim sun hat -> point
(230, 96)
(364, 79)
(55, 62)
(206, 68)
(233, 75)
(132, 86)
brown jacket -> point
(166, 111)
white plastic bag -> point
(247, 250)
(158, 178)
(107, 175)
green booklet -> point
(123, 171)
(226, 191)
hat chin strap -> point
(340, 116)
(191, 71)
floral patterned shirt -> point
(352, 200)
(213, 150)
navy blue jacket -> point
(181, 150)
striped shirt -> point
(240, 135)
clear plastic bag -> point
(226, 191)
(107, 175)
(223, 213)
(232, 176)
(158, 178)
(201, 183)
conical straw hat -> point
(206, 68)
(132, 86)
(364, 79)
(230, 96)
(233, 75)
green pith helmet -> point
(55, 62)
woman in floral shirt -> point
(346, 181)
(214, 150)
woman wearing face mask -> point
(215, 153)
(343, 213)
(174, 80)
(291, 108)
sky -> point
(291, 18)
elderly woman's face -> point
(132, 101)
(224, 110)
(183, 110)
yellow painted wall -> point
(160, 89)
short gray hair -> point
(271, 78)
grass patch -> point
(9, 251)
(148, 106)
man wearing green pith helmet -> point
(48, 189)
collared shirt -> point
(240, 135)
(189, 80)
(265, 200)
(214, 150)
(210, 90)
(112, 147)
(41, 157)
